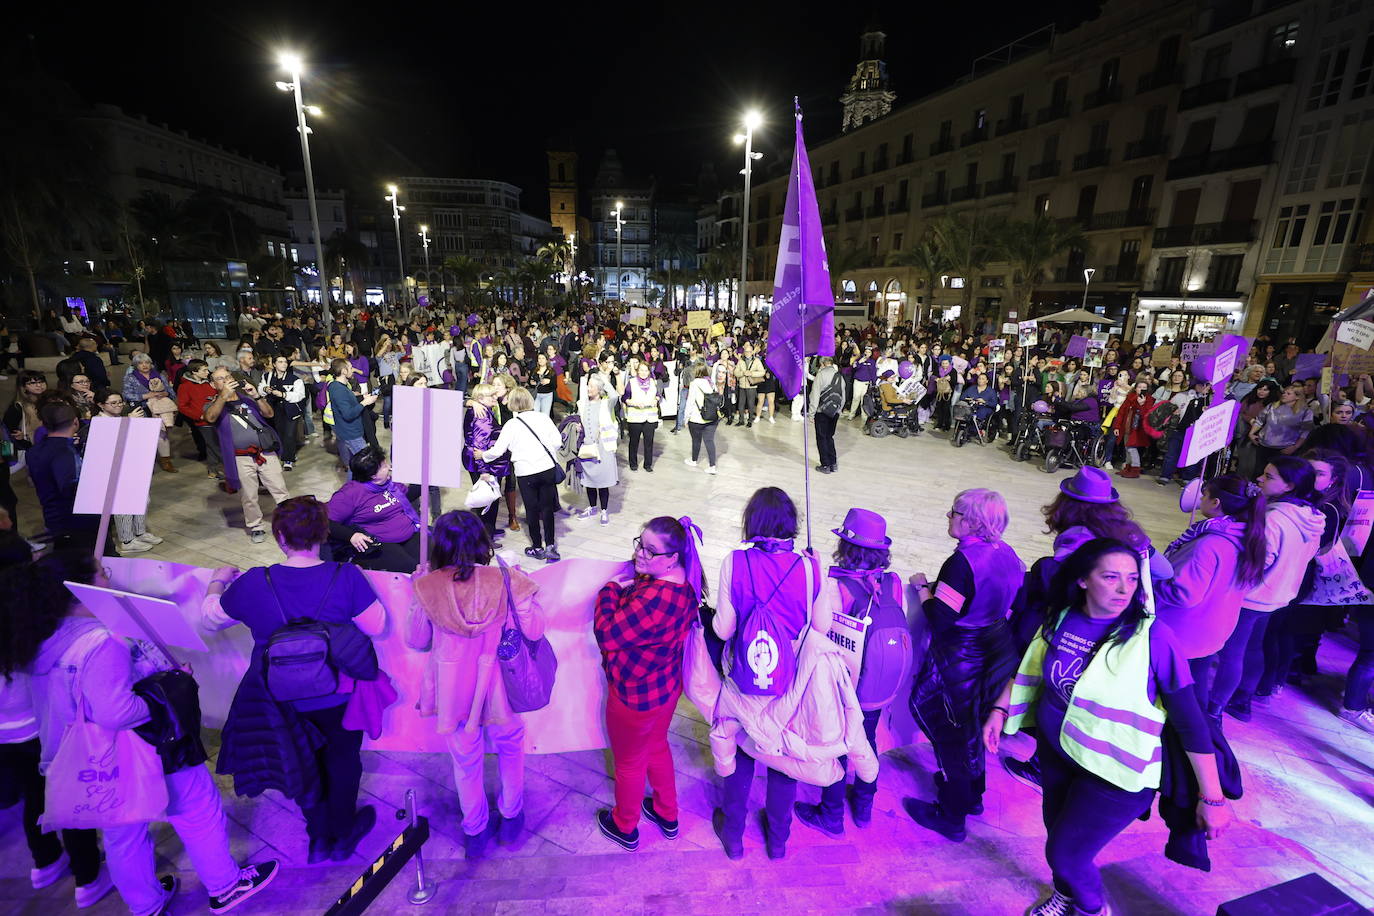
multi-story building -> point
(621, 254)
(1070, 125)
(1313, 253)
(1232, 132)
(332, 207)
(563, 191)
(476, 218)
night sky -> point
(455, 91)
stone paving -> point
(1309, 805)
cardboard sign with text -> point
(637, 315)
(1161, 356)
(1356, 533)
(1212, 432)
(698, 320)
(1359, 334)
(1009, 327)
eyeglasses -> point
(640, 548)
(953, 512)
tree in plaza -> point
(558, 255)
(929, 262)
(1029, 245)
(52, 171)
(673, 248)
(969, 241)
(342, 253)
(530, 276)
(467, 274)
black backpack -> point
(710, 407)
(831, 401)
(296, 661)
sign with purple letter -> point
(1212, 432)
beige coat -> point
(803, 732)
(459, 624)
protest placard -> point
(1009, 327)
(1027, 333)
(1212, 432)
(133, 616)
(1161, 356)
(117, 470)
(717, 329)
(997, 350)
(1099, 337)
(1308, 365)
(1092, 359)
(1359, 334)
(698, 320)
(1356, 533)
(426, 440)
(1076, 347)
(637, 315)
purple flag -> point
(803, 320)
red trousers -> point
(639, 744)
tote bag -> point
(528, 667)
(700, 676)
(102, 777)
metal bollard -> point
(424, 890)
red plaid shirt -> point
(641, 630)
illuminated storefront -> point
(1190, 319)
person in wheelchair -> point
(1083, 407)
(373, 520)
(890, 410)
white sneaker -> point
(605, 517)
(135, 546)
(1057, 905)
(772, 419)
(1360, 718)
(711, 469)
(149, 538)
(587, 512)
(43, 877)
(691, 463)
(93, 893)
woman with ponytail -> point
(1216, 561)
(643, 617)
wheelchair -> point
(966, 426)
(1029, 438)
(1074, 443)
(901, 420)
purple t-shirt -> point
(379, 512)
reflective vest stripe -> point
(1073, 733)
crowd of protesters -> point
(1070, 647)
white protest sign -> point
(1356, 533)
(1211, 432)
(637, 315)
(1225, 365)
(1098, 337)
(849, 633)
(1027, 335)
(157, 620)
(1009, 327)
(427, 436)
(1359, 334)
(117, 469)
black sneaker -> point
(510, 829)
(930, 816)
(732, 850)
(1240, 710)
(1026, 772)
(363, 821)
(860, 809)
(629, 841)
(251, 880)
(666, 827)
(774, 847)
(551, 554)
(535, 552)
(170, 884)
(811, 816)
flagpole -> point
(801, 352)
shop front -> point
(1301, 311)
(1186, 319)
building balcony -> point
(1052, 113)
(934, 199)
(1092, 159)
(880, 165)
(964, 192)
(875, 210)
(1119, 273)
(1205, 94)
(1115, 219)
(858, 172)
(1278, 73)
(1221, 160)
(1235, 231)
(976, 135)
(905, 158)
(1004, 185)
(1012, 125)
(853, 214)
(1043, 170)
(1146, 146)
(899, 206)
(1158, 79)
(943, 145)
(1103, 95)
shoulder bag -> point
(528, 667)
(559, 474)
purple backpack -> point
(762, 660)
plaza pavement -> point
(1309, 804)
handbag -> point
(559, 474)
(482, 494)
(528, 667)
(102, 777)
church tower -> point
(563, 191)
(869, 95)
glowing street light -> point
(752, 119)
(619, 252)
(291, 63)
(424, 240)
(1087, 279)
(394, 197)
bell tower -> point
(869, 95)
(563, 191)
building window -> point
(1059, 94)
(992, 282)
(271, 248)
(1360, 86)
(971, 174)
(873, 246)
(1307, 158)
(1050, 151)
(1042, 205)
(1171, 274)
(980, 118)
(295, 255)
(1215, 62)
(1223, 275)
(1281, 227)
(1298, 225)
(1351, 157)
(1283, 42)
(1326, 86)
(1107, 76)
(1325, 214)
(897, 241)
(1097, 137)
(1343, 217)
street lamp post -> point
(752, 120)
(292, 64)
(424, 240)
(1087, 278)
(619, 253)
(395, 198)
(572, 259)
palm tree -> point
(673, 248)
(928, 260)
(969, 241)
(467, 273)
(343, 253)
(558, 255)
(1028, 245)
(714, 271)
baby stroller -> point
(902, 419)
(966, 426)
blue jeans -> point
(350, 447)
(832, 796)
(1083, 813)
(1173, 451)
(544, 403)
(782, 794)
(681, 409)
(1240, 661)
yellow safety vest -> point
(1111, 728)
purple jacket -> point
(479, 434)
(866, 370)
